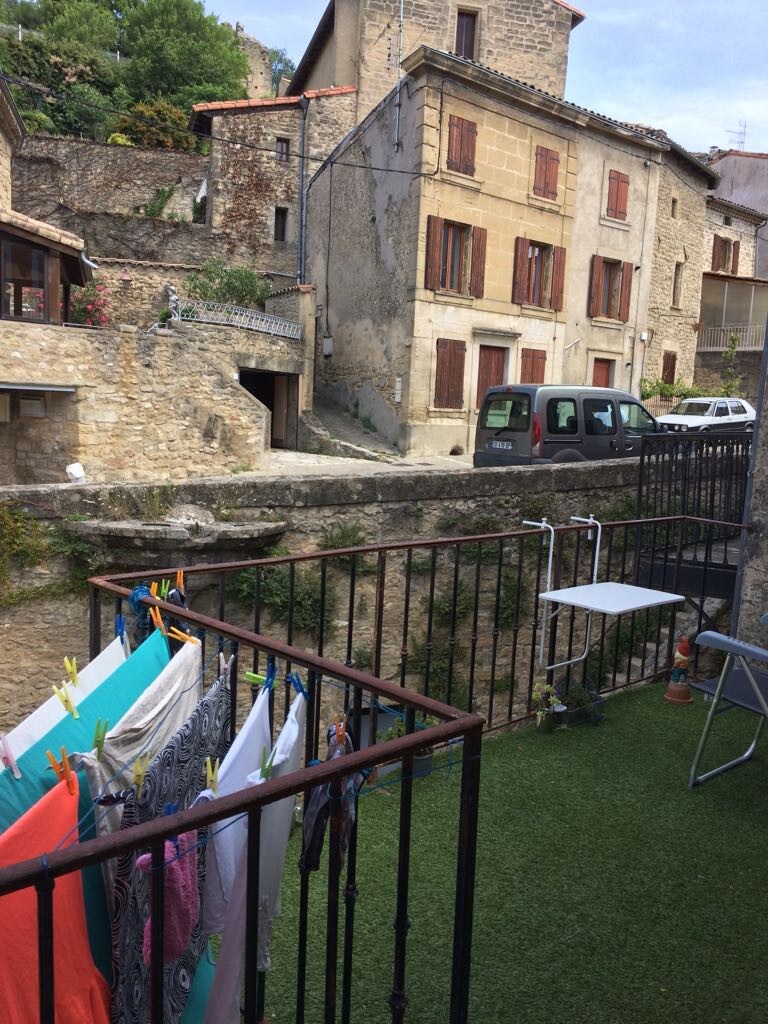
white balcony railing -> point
(748, 338)
(200, 311)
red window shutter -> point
(558, 277)
(454, 143)
(735, 258)
(669, 367)
(540, 172)
(595, 287)
(520, 276)
(613, 194)
(622, 197)
(434, 247)
(449, 374)
(627, 270)
(477, 271)
(468, 147)
(553, 167)
(716, 257)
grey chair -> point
(738, 686)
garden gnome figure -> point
(678, 690)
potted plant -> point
(422, 757)
(560, 705)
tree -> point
(174, 44)
(238, 286)
(84, 111)
(83, 21)
(282, 67)
(157, 125)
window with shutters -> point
(462, 138)
(677, 285)
(449, 374)
(545, 173)
(669, 367)
(455, 257)
(725, 254)
(610, 289)
(539, 274)
(533, 366)
(466, 34)
(618, 195)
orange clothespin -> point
(157, 619)
(180, 580)
(63, 770)
(178, 634)
(70, 667)
(212, 775)
(65, 697)
(140, 770)
(153, 588)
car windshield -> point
(692, 409)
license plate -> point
(502, 444)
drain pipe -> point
(304, 105)
(399, 79)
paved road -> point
(288, 463)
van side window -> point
(598, 416)
(635, 419)
(513, 414)
(561, 416)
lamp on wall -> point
(125, 279)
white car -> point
(715, 414)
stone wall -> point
(739, 230)
(259, 80)
(97, 178)
(120, 236)
(6, 153)
(709, 369)
(147, 407)
(140, 299)
(680, 238)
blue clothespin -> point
(297, 684)
(120, 626)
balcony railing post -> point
(94, 595)
(157, 910)
(398, 1000)
(252, 916)
(45, 947)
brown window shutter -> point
(595, 287)
(540, 172)
(477, 271)
(627, 270)
(449, 374)
(613, 194)
(520, 276)
(434, 247)
(454, 143)
(558, 277)
(490, 370)
(735, 258)
(526, 366)
(553, 167)
(468, 147)
(622, 196)
(716, 252)
(668, 367)
(539, 367)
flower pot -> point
(545, 722)
(422, 764)
(678, 693)
(587, 713)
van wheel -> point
(568, 456)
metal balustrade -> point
(746, 337)
(204, 312)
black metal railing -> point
(458, 619)
(696, 474)
(333, 689)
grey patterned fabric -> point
(176, 777)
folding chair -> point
(739, 686)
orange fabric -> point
(81, 993)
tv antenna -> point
(738, 136)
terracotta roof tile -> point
(38, 227)
(271, 101)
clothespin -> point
(70, 667)
(157, 619)
(120, 626)
(153, 588)
(140, 770)
(164, 590)
(178, 634)
(6, 756)
(63, 770)
(66, 699)
(180, 580)
(212, 775)
(297, 684)
(266, 764)
(99, 736)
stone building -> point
(680, 255)
(362, 43)
(744, 180)
(453, 261)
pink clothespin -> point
(6, 756)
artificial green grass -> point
(607, 891)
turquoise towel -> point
(109, 701)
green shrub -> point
(154, 208)
(237, 286)
(276, 595)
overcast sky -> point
(695, 68)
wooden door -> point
(601, 373)
(490, 370)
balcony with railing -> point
(742, 337)
(205, 312)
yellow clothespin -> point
(140, 770)
(63, 771)
(66, 698)
(178, 634)
(153, 588)
(70, 667)
(157, 619)
(212, 775)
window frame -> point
(462, 145)
(627, 426)
(547, 290)
(546, 173)
(557, 431)
(677, 286)
(466, 17)
(282, 152)
(618, 196)
(453, 265)
(280, 232)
